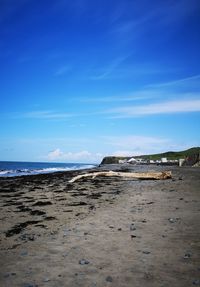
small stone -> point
(196, 282)
(109, 279)
(187, 255)
(146, 252)
(24, 253)
(132, 227)
(84, 262)
(173, 220)
(133, 236)
(46, 280)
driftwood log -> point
(138, 175)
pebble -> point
(196, 282)
(84, 262)
(46, 280)
(173, 220)
(132, 227)
(187, 255)
(109, 279)
(133, 236)
(146, 252)
(24, 253)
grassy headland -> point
(170, 155)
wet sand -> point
(100, 232)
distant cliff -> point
(190, 155)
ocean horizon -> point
(19, 168)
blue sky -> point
(83, 79)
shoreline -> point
(26, 169)
(104, 232)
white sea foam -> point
(25, 171)
(3, 172)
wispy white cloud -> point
(55, 154)
(168, 107)
(144, 17)
(46, 115)
(107, 71)
(126, 97)
(127, 71)
(182, 81)
(80, 156)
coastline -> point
(104, 232)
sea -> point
(15, 168)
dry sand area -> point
(104, 232)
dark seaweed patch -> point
(81, 203)
(42, 203)
(11, 202)
(58, 191)
(16, 229)
(37, 212)
(50, 218)
(60, 199)
(95, 195)
(23, 208)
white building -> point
(132, 160)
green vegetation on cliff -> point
(172, 155)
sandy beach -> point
(101, 232)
